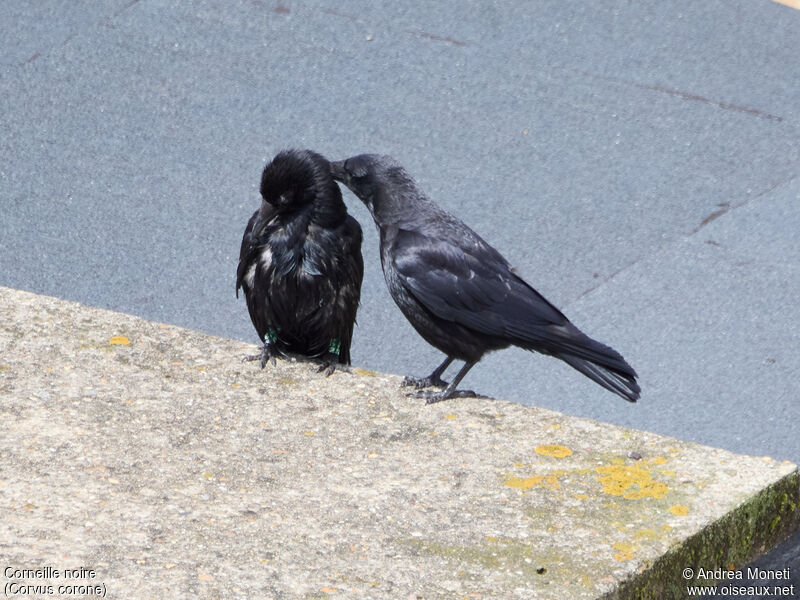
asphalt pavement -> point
(637, 162)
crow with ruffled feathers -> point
(300, 264)
(458, 292)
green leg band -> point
(334, 346)
(272, 335)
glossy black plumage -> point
(300, 264)
(458, 292)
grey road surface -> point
(637, 162)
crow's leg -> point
(434, 379)
(450, 391)
(330, 360)
(268, 353)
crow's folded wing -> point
(471, 284)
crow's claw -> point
(268, 353)
(330, 362)
(423, 382)
(432, 397)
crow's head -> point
(380, 182)
(295, 178)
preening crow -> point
(300, 264)
(458, 292)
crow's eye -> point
(279, 199)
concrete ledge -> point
(153, 456)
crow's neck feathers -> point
(403, 204)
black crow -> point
(458, 292)
(300, 264)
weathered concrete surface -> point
(154, 456)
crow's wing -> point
(471, 284)
(247, 253)
(245, 276)
(349, 275)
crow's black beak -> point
(338, 171)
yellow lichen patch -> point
(450, 417)
(658, 460)
(645, 534)
(666, 472)
(309, 433)
(623, 556)
(364, 372)
(119, 340)
(679, 510)
(581, 496)
(624, 551)
(525, 483)
(553, 450)
(630, 482)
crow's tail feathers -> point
(621, 382)
(597, 361)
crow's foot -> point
(423, 382)
(330, 362)
(268, 353)
(432, 397)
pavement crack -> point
(605, 280)
(713, 216)
(337, 13)
(436, 38)
(688, 96)
(418, 33)
(724, 209)
(727, 207)
(104, 21)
